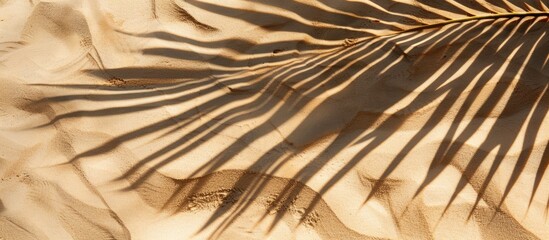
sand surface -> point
(274, 119)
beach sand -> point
(290, 119)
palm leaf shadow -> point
(348, 87)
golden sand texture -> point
(289, 119)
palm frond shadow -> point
(345, 92)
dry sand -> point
(279, 119)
